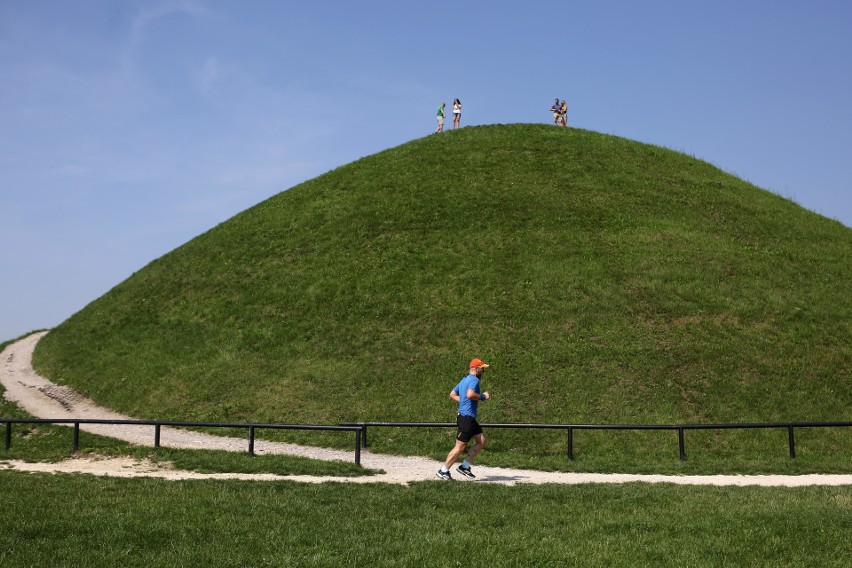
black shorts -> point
(468, 428)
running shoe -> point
(465, 471)
(445, 475)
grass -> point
(605, 280)
(86, 521)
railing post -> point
(157, 435)
(792, 441)
(680, 444)
(358, 441)
(8, 435)
(76, 436)
(251, 440)
(570, 443)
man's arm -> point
(455, 395)
(473, 395)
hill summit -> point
(603, 279)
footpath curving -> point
(44, 399)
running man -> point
(468, 395)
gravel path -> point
(43, 399)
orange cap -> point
(478, 363)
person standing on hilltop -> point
(456, 113)
(441, 114)
(563, 113)
(555, 108)
(467, 394)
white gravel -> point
(43, 399)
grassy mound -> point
(605, 281)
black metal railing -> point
(570, 428)
(158, 424)
(360, 429)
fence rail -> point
(570, 428)
(158, 424)
(360, 429)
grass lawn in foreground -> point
(86, 521)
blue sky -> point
(129, 127)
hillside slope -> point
(605, 281)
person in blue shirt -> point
(556, 108)
(468, 395)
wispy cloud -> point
(150, 14)
(209, 73)
(69, 170)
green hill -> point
(603, 279)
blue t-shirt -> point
(467, 407)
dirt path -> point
(43, 399)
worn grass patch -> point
(54, 443)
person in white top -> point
(456, 113)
